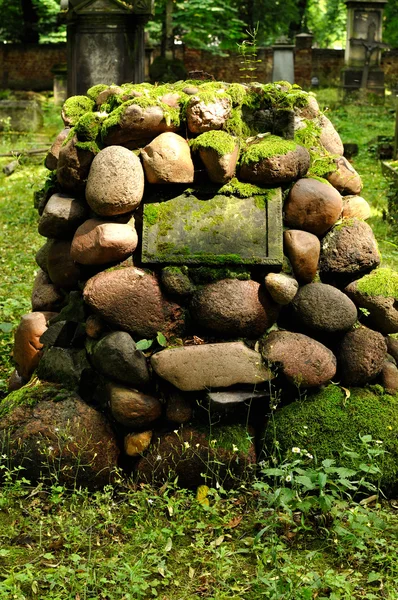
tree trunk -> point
(30, 33)
(300, 24)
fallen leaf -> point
(233, 522)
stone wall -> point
(29, 66)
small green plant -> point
(145, 344)
(248, 53)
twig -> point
(24, 152)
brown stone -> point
(205, 116)
(346, 180)
(324, 308)
(329, 138)
(279, 168)
(60, 436)
(310, 110)
(281, 287)
(234, 308)
(195, 458)
(132, 408)
(355, 207)
(303, 250)
(61, 217)
(15, 382)
(302, 360)
(94, 326)
(73, 166)
(98, 242)
(132, 300)
(51, 161)
(167, 159)
(206, 366)
(61, 269)
(220, 169)
(136, 443)
(389, 377)
(383, 312)
(45, 295)
(361, 356)
(349, 250)
(392, 347)
(116, 182)
(27, 345)
(42, 255)
(313, 206)
(178, 406)
(138, 126)
(112, 90)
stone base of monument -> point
(205, 269)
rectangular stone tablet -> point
(214, 230)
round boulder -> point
(274, 160)
(231, 307)
(322, 307)
(116, 356)
(303, 250)
(132, 300)
(27, 345)
(389, 377)
(361, 356)
(51, 432)
(99, 242)
(355, 207)
(73, 165)
(313, 206)
(329, 138)
(51, 161)
(115, 184)
(281, 287)
(132, 408)
(345, 179)
(348, 251)
(204, 115)
(167, 159)
(302, 360)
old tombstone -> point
(283, 61)
(364, 45)
(216, 229)
(105, 42)
(20, 115)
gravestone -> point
(219, 229)
(283, 61)
(105, 42)
(20, 115)
(364, 45)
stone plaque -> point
(216, 230)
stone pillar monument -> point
(364, 45)
(283, 65)
(105, 42)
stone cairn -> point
(207, 247)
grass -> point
(126, 542)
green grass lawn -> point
(124, 543)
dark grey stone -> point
(63, 365)
(117, 357)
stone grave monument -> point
(105, 41)
(364, 45)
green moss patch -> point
(381, 282)
(267, 147)
(88, 127)
(220, 141)
(328, 423)
(76, 106)
(201, 275)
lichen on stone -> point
(220, 141)
(76, 106)
(380, 282)
(267, 147)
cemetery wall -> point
(29, 66)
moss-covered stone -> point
(75, 107)
(271, 145)
(31, 394)
(220, 141)
(380, 282)
(279, 95)
(328, 423)
(88, 127)
(95, 90)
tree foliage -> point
(30, 21)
